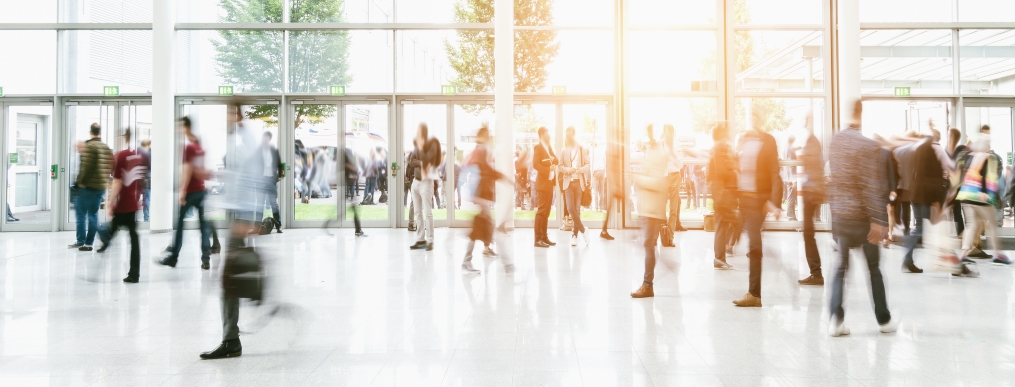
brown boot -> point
(748, 300)
(644, 291)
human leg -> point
(920, 212)
(544, 199)
(574, 195)
(178, 237)
(417, 204)
(754, 215)
(877, 282)
(811, 206)
(426, 208)
(791, 201)
(130, 221)
(846, 242)
(146, 201)
(79, 216)
(971, 230)
(196, 200)
(92, 214)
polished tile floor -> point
(367, 311)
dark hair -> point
(984, 128)
(267, 134)
(126, 134)
(95, 129)
(185, 121)
(483, 132)
(541, 131)
(424, 130)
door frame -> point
(52, 140)
(991, 102)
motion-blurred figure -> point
(482, 224)
(692, 192)
(723, 185)
(428, 150)
(273, 172)
(412, 166)
(653, 186)
(574, 170)
(760, 187)
(543, 161)
(96, 162)
(927, 193)
(351, 172)
(673, 173)
(146, 190)
(859, 198)
(957, 151)
(192, 195)
(978, 195)
(813, 194)
(128, 176)
(789, 179)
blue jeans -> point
(86, 206)
(573, 198)
(146, 196)
(753, 211)
(193, 200)
(852, 234)
(920, 212)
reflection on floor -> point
(367, 311)
(32, 217)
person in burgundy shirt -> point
(124, 196)
(192, 194)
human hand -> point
(183, 198)
(877, 234)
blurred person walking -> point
(482, 224)
(428, 152)
(146, 190)
(957, 151)
(722, 179)
(544, 162)
(760, 189)
(859, 198)
(129, 173)
(813, 189)
(789, 179)
(692, 191)
(351, 171)
(978, 195)
(574, 170)
(653, 186)
(599, 196)
(927, 194)
(192, 195)
(673, 172)
(93, 176)
(411, 170)
(273, 173)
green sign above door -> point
(338, 91)
(225, 90)
(1, 92)
(13, 158)
(559, 90)
(111, 91)
(449, 89)
(902, 91)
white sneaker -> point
(585, 238)
(574, 240)
(889, 327)
(467, 266)
(837, 329)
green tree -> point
(252, 61)
(703, 113)
(471, 56)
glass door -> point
(28, 155)
(467, 119)
(80, 117)
(137, 116)
(446, 198)
(590, 123)
(996, 120)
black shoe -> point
(167, 262)
(606, 235)
(812, 280)
(429, 247)
(911, 268)
(75, 246)
(169, 249)
(542, 244)
(216, 248)
(103, 248)
(205, 266)
(278, 230)
(361, 233)
(231, 348)
(418, 245)
(85, 248)
(130, 280)
(679, 228)
(980, 254)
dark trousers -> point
(270, 198)
(674, 218)
(901, 212)
(724, 202)
(193, 200)
(650, 232)
(127, 220)
(850, 235)
(544, 199)
(811, 206)
(86, 212)
(354, 207)
(753, 211)
(692, 192)
(920, 212)
(960, 224)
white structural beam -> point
(848, 34)
(333, 26)
(504, 87)
(163, 114)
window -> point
(360, 60)
(777, 11)
(685, 61)
(105, 11)
(36, 11)
(897, 11)
(918, 59)
(250, 61)
(987, 61)
(94, 59)
(30, 67)
(583, 62)
(671, 12)
(783, 61)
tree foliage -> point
(252, 61)
(471, 56)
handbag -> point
(242, 276)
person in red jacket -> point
(124, 196)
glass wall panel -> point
(209, 125)
(918, 59)
(673, 12)
(777, 11)
(433, 11)
(987, 61)
(999, 119)
(316, 161)
(589, 121)
(527, 121)
(36, 11)
(986, 10)
(888, 11)
(685, 62)
(106, 11)
(27, 177)
(436, 118)
(362, 11)
(467, 120)
(360, 60)
(30, 67)
(228, 11)
(784, 61)
(564, 12)
(250, 61)
(895, 117)
(429, 59)
(583, 61)
(93, 59)
(366, 136)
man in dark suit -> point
(273, 172)
(543, 160)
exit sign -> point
(449, 89)
(560, 90)
(1, 92)
(225, 90)
(338, 91)
(902, 92)
(111, 91)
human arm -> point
(89, 158)
(188, 171)
(114, 195)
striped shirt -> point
(857, 191)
